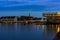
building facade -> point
(8, 19)
(53, 17)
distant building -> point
(37, 18)
(26, 18)
(8, 19)
(53, 17)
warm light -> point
(58, 14)
(58, 28)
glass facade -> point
(52, 17)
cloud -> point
(22, 2)
(48, 4)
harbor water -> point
(21, 31)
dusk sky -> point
(23, 7)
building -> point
(26, 18)
(53, 17)
(8, 19)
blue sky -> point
(28, 5)
(52, 5)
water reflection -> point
(58, 28)
(20, 30)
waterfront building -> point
(21, 19)
(26, 18)
(53, 17)
(8, 19)
(37, 18)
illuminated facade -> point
(53, 17)
(8, 19)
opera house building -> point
(52, 17)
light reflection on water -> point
(20, 31)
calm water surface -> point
(20, 31)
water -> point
(20, 31)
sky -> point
(20, 7)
